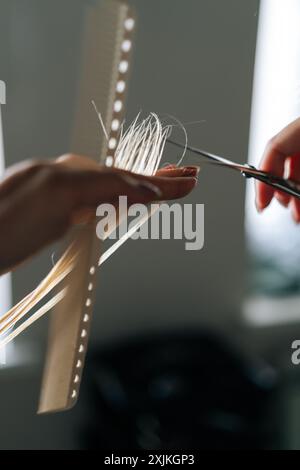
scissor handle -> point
(249, 171)
(288, 186)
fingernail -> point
(191, 170)
(144, 186)
(173, 168)
(283, 202)
(170, 168)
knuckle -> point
(52, 178)
(67, 158)
(36, 166)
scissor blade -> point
(217, 160)
(288, 186)
(197, 151)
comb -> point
(106, 53)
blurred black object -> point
(176, 391)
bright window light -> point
(5, 282)
(273, 236)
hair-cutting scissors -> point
(286, 185)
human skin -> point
(41, 200)
(281, 158)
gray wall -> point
(193, 60)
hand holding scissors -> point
(279, 172)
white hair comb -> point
(106, 57)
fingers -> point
(89, 188)
(173, 171)
(77, 161)
(41, 209)
(274, 160)
(76, 183)
(92, 184)
(294, 167)
(294, 174)
(169, 190)
(282, 198)
(83, 215)
(81, 162)
(93, 188)
(295, 209)
(39, 201)
(174, 187)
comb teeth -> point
(139, 149)
(111, 26)
(119, 93)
